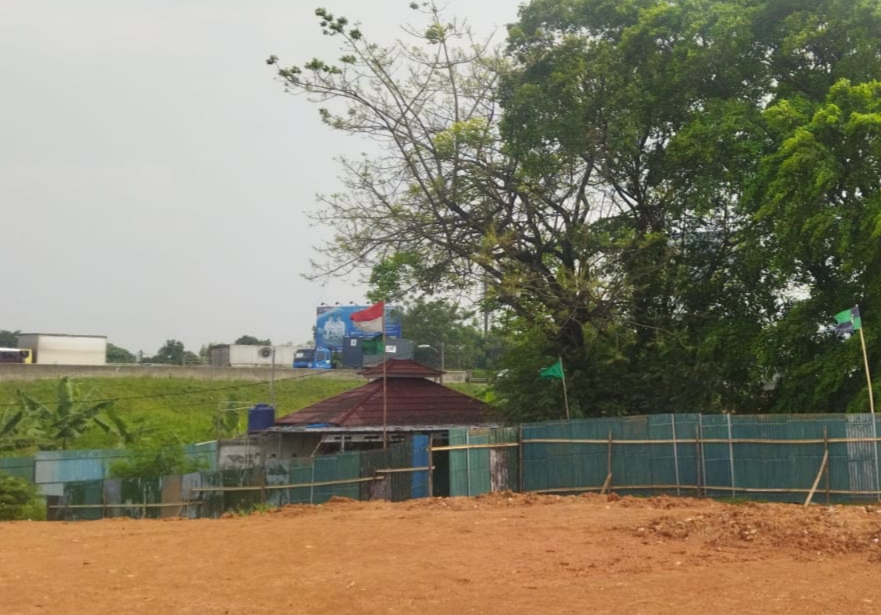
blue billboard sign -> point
(334, 323)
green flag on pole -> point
(554, 371)
(848, 321)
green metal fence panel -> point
(83, 500)
(789, 468)
(333, 469)
(22, 467)
(401, 457)
(722, 455)
(469, 467)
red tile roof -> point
(401, 368)
(411, 401)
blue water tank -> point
(260, 417)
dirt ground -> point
(496, 554)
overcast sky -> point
(154, 178)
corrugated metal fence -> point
(390, 474)
(832, 457)
(771, 457)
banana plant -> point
(70, 417)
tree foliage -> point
(19, 500)
(250, 340)
(171, 353)
(116, 354)
(675, 197)
(9, 339)
(151, 459)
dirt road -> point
(496, 554)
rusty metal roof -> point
(401, 368)
(411, 401)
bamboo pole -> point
(467, 464)
(690, 441)
(817, 479)
(871, 407)
(462, 447)
(695, 487)
(697, 459)
(430, 467)
(700, 437)
(402, 470)
(675, 452)
(520, 486)
(826, 451)
(325, 483)
(706, 441)
(608, 482)
(384, 386)
(135, 506)
(565, 394)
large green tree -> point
(8, 339)
(117, 354)
(171, 353)
(674, 196)
(250, 340)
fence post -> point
(826, 452)
(608, 483)
(731, 455)
(700, 426)
(698, 458)
(675, 452)
(467, 462)
(312, 483)
(874, 444)
(430, 466)
(520, 487)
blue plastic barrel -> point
(260, 417)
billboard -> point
(333, 323)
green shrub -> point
(19, 500)
(152, 460)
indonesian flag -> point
(370, 319)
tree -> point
(9, 339)
(172, 353)
(646, 188)
(446, 195)
(250, 340)
(115, 354)
(445, 328)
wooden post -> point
(826, 452)
(468, 463)
(731, 456)
(872, 412)
(608, 482)
(520, 487)
(697, 460)
(817, 480)
(675, 452)
(700, 427)
(384, 387)
(430, 466)
(565, 394)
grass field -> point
(180, 408)
(184, 409)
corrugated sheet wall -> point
(766, 456)
(22, 467)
